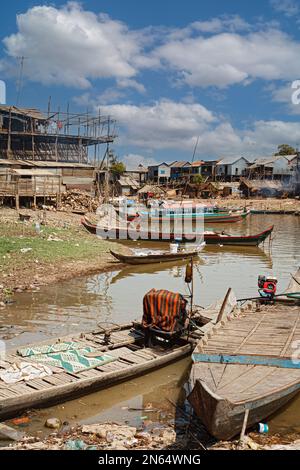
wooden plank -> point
(6, 393)
(290, 338)
(58, 379)
(20, 387)
(268, 361)
(90, 373)
(119, 352)
(39, 384)
(133, 358)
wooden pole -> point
(9, 135)
(246, 415)
(222, 310)
(32, 139)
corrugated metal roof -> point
(149, 188)
(231, 160)
(269, 161)
(43, 163)
(159, 164)
(197, 163)
(32, 172)
(180, 164)
(128, 181)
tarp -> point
(164, 310)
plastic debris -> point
(20, 421)
(53, 423)
(25, 250)
(263, 428)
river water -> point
(116, 296)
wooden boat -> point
(128, 359)
(210, 237)
(245, 365)
(160, 257)
(273, 212)
(208, 217)
(221, 238)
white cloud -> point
(165, 124)
(224, 23)
(265, 136)
(283, 94)
(287, 7)
(130, 83)
(225, 59)
(71, 46)
(172, 125)
(133, 160)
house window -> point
(236, 171)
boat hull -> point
(150, 259)
(220, 218)
(210, 239)
(224, 419)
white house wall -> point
(241, 165)
(164, 171)
(281, 167)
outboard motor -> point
(267, 286)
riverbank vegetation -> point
(33, 254)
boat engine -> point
(267, 286)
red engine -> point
(267, 286)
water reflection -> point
(123, 403)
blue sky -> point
(168, 71)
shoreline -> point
(108, 436)
(62, 250)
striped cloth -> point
(164, 309)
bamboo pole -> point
(222, 310)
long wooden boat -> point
(149, 258)
(245, 363)
(125, 358)
(211, 238)
(274, 212)
(208, 217)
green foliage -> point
(197, 179)
(118, 168)
(285, 149)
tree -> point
(285, 149)
(197, 179)
(117, 168)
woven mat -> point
(74, 360)
(46, 349)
